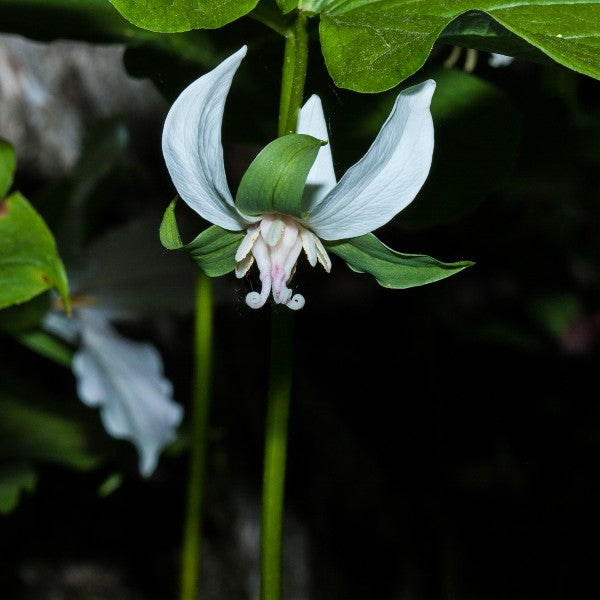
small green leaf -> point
(366, 254)
(14, 480)
(29, 260)
(169, 232)
(110, 485)
(274, 182)
(47, 345)
(213, 250)
(180, 15)
(7, 167)
(36, 433)
(371, 45)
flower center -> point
(275, 243)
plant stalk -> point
(192, 533)
(280, 381)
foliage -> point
(455, 417)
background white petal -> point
(125, 380)
(192, 148)
(388, 177)
(321, 177)
(499, 60)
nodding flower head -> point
(371, 192)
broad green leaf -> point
(367, 254)
(14, 480)
(7, 167)
(182, 15)
(34, 433)
(29, 260)
(213, 250)
(274, 182)
(371, 45)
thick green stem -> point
(275, 454)
(280, 382)
(295, 61)
(192, 534)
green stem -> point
(192, 534)
(280, 385)
(280, 382)
(295, 62)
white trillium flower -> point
(124, 379)
(124, 276)
(370, 194)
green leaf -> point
(34, 433)
(371, 45)
(367, 254)
(180, 15)
(213, 250)
(14, 480)
(47, 345)
(287, 6)
(274, 182)
(29, 260)
(7, 167)
(110, 485)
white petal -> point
(247, 242)
(321, 177)
(388, 177)
(499, 60)
(58, 324)
(125, 379)
(191, 145)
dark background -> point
(444, 440)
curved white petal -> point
(321, 177)
(191, 145)
(125, 380)
(388, 177)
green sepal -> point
(274, 182)
(179, 15)
(391, 269)
(8, 163)
(29, 260)
(213, 250)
